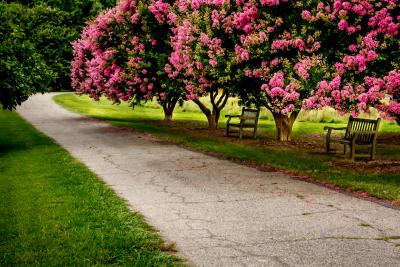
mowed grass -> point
(55, 212)
(303, 156)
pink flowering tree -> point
(361, 41)
(203, 53)
(122, 55)
(281, 54)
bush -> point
(50, 26)
(22, 68)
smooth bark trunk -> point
(284, 125)
(168, 109)
(217, 105)
(213, 120)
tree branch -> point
(225, 100)
(203, 108)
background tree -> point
(23, 70)
(52, 26)
(35, 45)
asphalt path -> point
(220, 213)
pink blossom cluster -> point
(196, 52)
(89, 65)
(283, 97)
(160, 10)
(392, 84)
(372, 26)
(303, 67)
(115, 59)
(298, 43)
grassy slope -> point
(55, 212)
(386, 186)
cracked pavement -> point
(220, 213)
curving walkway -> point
(220, 213)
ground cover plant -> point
(55, 212)
(304, 155)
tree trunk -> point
(398, 119)
(218, 103)
(167, 114)
(169, 109)
(207, 112)
(284, 125)
(212, 120)
(212, 116)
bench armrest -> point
(334, 128)
(328, 134)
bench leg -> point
(328, 142)
(240, 133)
(344, 150)
(227, 130)
(255, 132)
(353, 152)
(373, 152)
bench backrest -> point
(249, 116)
(363, 125)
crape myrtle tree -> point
(282, 58)
(361, 41)
(203, 53)
(122, 54)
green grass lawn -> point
(304, 156)
(55, 212)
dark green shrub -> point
(35, 44)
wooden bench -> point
(248, 119)
(359, 132)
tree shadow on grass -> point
(7, 148)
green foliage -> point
(23, 70)
(35, 44)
